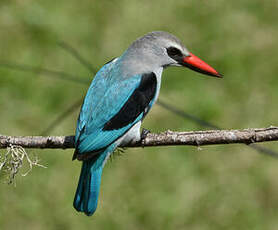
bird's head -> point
(162, 49)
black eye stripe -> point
(174, 52)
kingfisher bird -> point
(119, 97)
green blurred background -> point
(216, 187)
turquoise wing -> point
(112, 105)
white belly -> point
(132, 135)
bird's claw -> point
(144, 134)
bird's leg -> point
(144, 134)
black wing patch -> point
(136, 104)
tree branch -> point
(194, 138)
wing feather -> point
(111, 107)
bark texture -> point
(195, 138)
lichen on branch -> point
(13, 159)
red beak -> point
(200, 66)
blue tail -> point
(86, 196)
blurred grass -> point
(218, 187)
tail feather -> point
(86, 196)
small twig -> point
(62, 116)
(186, 115)
(50, 73)
(76, 55)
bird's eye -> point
(173, 51)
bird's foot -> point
(144, 134)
